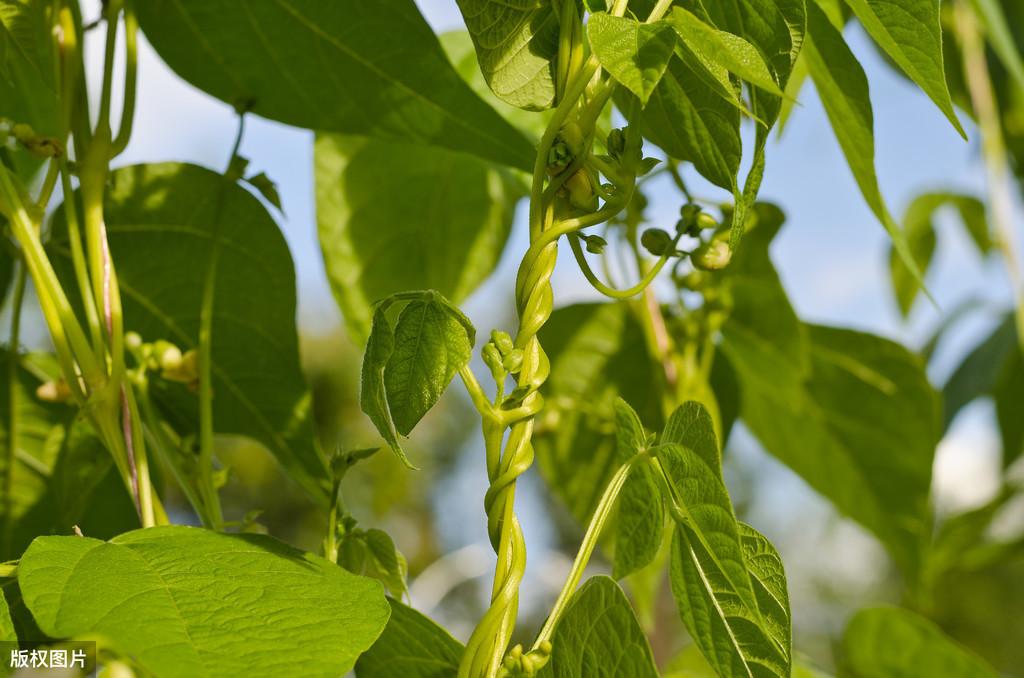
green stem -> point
(986, 107)
(131, 30)
(13, 427)
(588, 273)
(590, 539)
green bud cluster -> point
(164, 358)
(693, 220)
(13, 135)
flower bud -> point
(513, 362)
(595, 243)
(503, 341)
(186, 371)
(656, 241)
(54, 391)
(713, 256)
(581, 191)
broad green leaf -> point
(431, 345)
(909, 32)
(729, 50)
(920, 234)
(1009, 394)
(352, 67)
(7, 632)
(165, 223)
(394, 217)
(691, 122)
(978, 373)
(852, 414)
(183, 601)
(458, 45)
(516, 45)
(411, 646)
(843, 89)
(635, 54)
(372, 553)
(997, 30)
(993, 368)
(889, 642)
(28, 93)
(735, 638)
(59, 468)
(407, 368)
(640, 522)
(373, 397)
(598, 637)
(597, 354)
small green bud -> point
(186, 371)
(595, 243)
(706, 222)
(616, 143)
(581, 191)
(54, 391)
(492, 358)
(656, 241)
(513, 362)
(503, 341)
(712, 256)
(132, 340)
(168, 356)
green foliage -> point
(641, 517)
(894, 643)
(635, 54)
(993, 368)
(411, 646)
(274, 58)
(59, 469)
(853, 414)
(175, 222)
(909, 32)
(407, 367)
(158, 595)
(843, 88)
(920, 232)
(515, 45)
(372, 553)
(724, 49)
(7, 633)
(596, 357)
(727, 579)
(599, 637)
(394, 217)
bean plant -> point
(168, 293)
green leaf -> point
(843, 89)
(597, 354)
(368, 68)
(267, 188)
(7, 632)
(691, 122)
(516, 45)
(978, 373)
(28, 93)
(640, 522)
(635, 54)
(458, 45)
(852, 414)
(162, 223)
(373, 397)
(1009, 394)
(59, 468)
(887, 642)
(997, 30)
(372, 553)
(731, 51)
(920, 234)
(183, 601)
(411, 646)
(406, 369)
(394, 217)
(735, 638)
(909, 32)
(598, 637)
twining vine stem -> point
(487, 645)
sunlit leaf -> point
(183, 601)
(352, 67)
